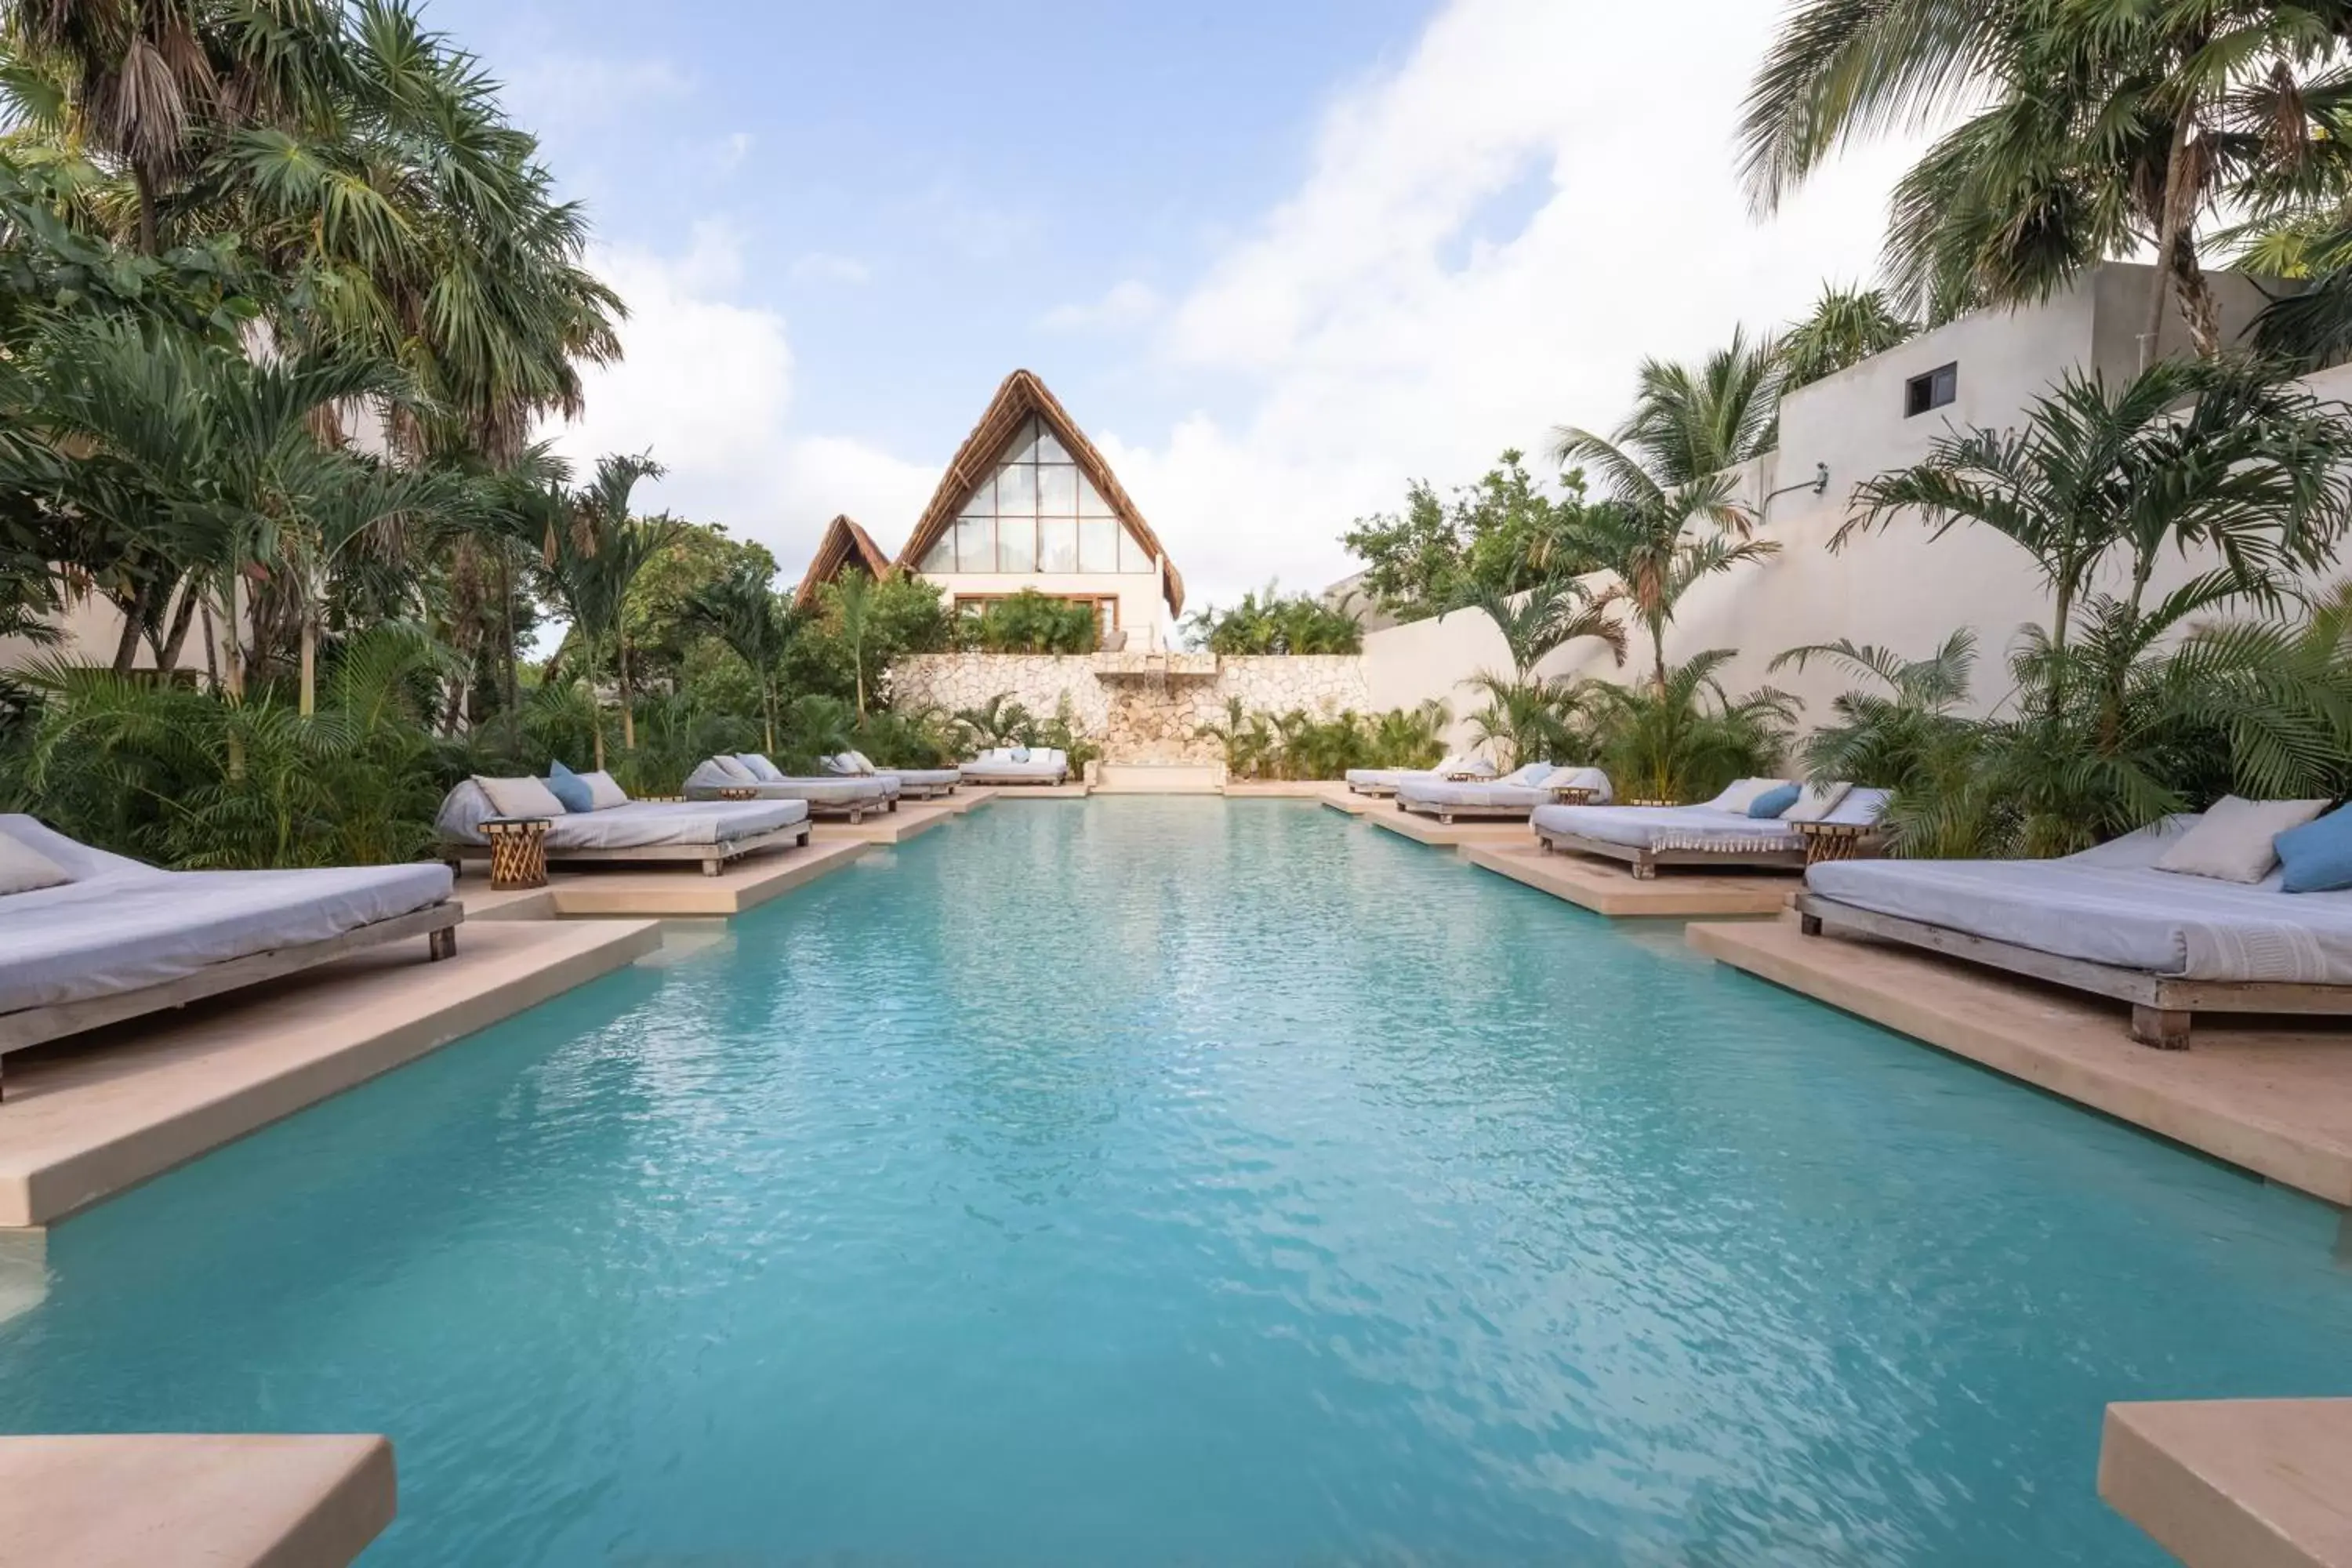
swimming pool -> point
(1164, 1180)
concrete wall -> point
(1138, 708)
(1897, 588)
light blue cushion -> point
(1773, 802)
(2318, 854)
(570, 788)
(760, 768)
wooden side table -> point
(1827, 841)
(738, 792)
(1573, 794)
(517, 851)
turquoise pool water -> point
(1165, 1181)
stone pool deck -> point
(1468, 833)
(1339, 798)
(2235, 1483)
(89, 1116)
(654, 892)
(2273, 1096)
(208, 1500)
(1608, 888)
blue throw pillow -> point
(570, 788)
(2318, 854)
(1773, 802)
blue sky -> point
(1278, 258)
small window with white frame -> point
(1933, 390)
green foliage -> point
(1502, 535)
(858, 630)
(1300, 745)
(1685, 738)
(1031, 622)
(910, 737)
(1278, 623)
(1002, 721)
(1844, 327)
(185, 776)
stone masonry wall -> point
(1141, 708)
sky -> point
(1279, 258)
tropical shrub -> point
(1300, 745)
(1278, 623)
(1031, 622)
(1684, 738)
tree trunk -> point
(146, 209)
(310, 699)
(134, 620)
(167, 657)
(2197, 302)
(628, 708)
(2170, 211)
(512, 656)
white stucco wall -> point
(1896, 588)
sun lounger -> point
(122, 938)
(1508, 799)
(853, 798)
(1384, 780)
(2108, 922)
(1017, 766)
(710, 832)
(905, 783)
(1649, 836)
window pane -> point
(1022, 448)
(1090, 501)
(1132, 556)
(1058, 490)
(1098, 544)
(1050, 450)
(982, 502)
(942, 554)
(1057, 545)
(1016, 491)
(976, 544)
(1016, 544)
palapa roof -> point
(844, 544)
(1021, 395)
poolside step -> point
(1159, 778)
(2235, 1483)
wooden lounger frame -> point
(923, 792)
(1645, 861)
(1054, 782)
(32, 1025)
(2162, 1006)
(1446, 814)
(713, 856)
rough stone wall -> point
(1140, 708)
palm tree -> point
(744, 611)
(2249, 468)
(1844, 327)
(849, 599)
(594, 555)
(2095, 129)
(1889, 735)
(1683, 737)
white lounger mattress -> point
(1447, 792)
(122, 925)
(927, 778)
(2109, 905)
(803, 792)
(1645, 826)
(1009, 770)
(640, 824)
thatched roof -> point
(1022, 395)
(844, 544)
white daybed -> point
(711, 832)
(831, 796)
(120, 938)
(910, 783)
(1509, 798)
(1017, 766)
(2106, 921)
(1713, 835)
(1386, 781)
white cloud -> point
(707, 385)
(732, 149)
(826, 267)
(1128, 303)
(1385, 334)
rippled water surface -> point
(1166, 1181)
